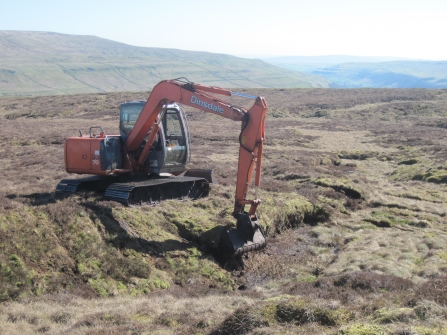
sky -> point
(415, 29)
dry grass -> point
(354, 201)
(163, 314)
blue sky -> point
(410, 28)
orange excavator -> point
(154, 141)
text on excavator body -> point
(210, 106)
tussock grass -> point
(283, 312)
(70, 314)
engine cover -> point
(93, 155)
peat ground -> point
(354, 205)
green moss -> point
(278, 113)
(195, 264)
(308, 278)
(268, 313)
(90, 268)
(157, 284)
(386, 315)
(435, 330)
(16, 261)
(386, 219)
(297, 205)
(197, 221)
(280, 298)
(437, 176)
(15, 279)
(443, 255)
(343, 185)
(342, 316)
(420, 171)
(149, 222)
(282, 211)
(106, 287)
(407, 172)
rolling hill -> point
(397, 74)
(45, 63)
(373, 72)
(312, 63)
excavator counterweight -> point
(146, 162)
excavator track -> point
(152, 191)
(148, 191)
(92, 183)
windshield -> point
(129, 115)
(175, 139)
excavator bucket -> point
(247, 236)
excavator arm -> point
(251, 138)
(248, 236)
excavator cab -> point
(170, 151)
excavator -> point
(147, 161)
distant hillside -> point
(375, 72)
(312, 63)
(43, 63)
(399, 74)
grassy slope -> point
(38, 63)
(354, 202)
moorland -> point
(353, 204)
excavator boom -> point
(248, 234)
(251, 138)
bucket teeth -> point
(247, 236)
